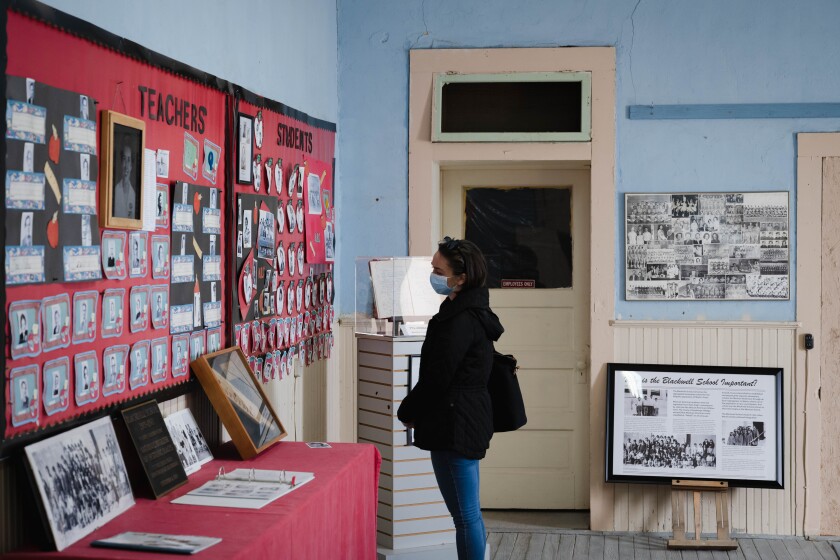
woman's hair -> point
(464, 257)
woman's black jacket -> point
(450, 406)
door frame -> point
(426, 158)
(812, 149)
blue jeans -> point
(457, 477)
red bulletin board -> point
(299, 142)
(171, 106)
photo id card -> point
(160, 256)
(25, 328)
(114, 367)
(197, 344)
(180, 355)
(112, 312)
(113, 254)
(139, 308)
(159, 300)
(86, 367)
(162, 205)
(160, 359)
(138, 256)
(56, 321)
(56, 383)
(24, 388)
(139, 358)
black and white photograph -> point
(26, 229)
(127, 173)
(245, 149)
(745, 433)
(29, 157)
(86, 368)
(84, 164)
(717, 422)
(671, 451)
(192, 448)
(25, 328)
(81, 479)
(646, 402)
(112, 312)
(695, 246)
(246, 230)
(138, 254)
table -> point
(332, 517)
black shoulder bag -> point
(505, 394)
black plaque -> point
(154, 446)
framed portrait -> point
(91, 452)
(114, 368)
(121, 196)
(86, 366)
(700, 422)
(160, 359)
(56, 384)
(244, 149)
(85, 310)
(239, 400)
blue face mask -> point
(439, 284)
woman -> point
(450, 408)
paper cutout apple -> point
(54, 147)
(52, 231)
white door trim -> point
(424, 200)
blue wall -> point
(281, 49)
(668, 52)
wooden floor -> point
(580, 545)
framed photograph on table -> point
(90, 453)
(244, 148)
(239, 400)
(123, 141)
(669, 422)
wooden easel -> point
(679, 489)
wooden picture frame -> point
(721, 423)
(121, 171)
(244, 149)
(239, 400)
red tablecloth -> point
(333, 517)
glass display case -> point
(393, 295)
